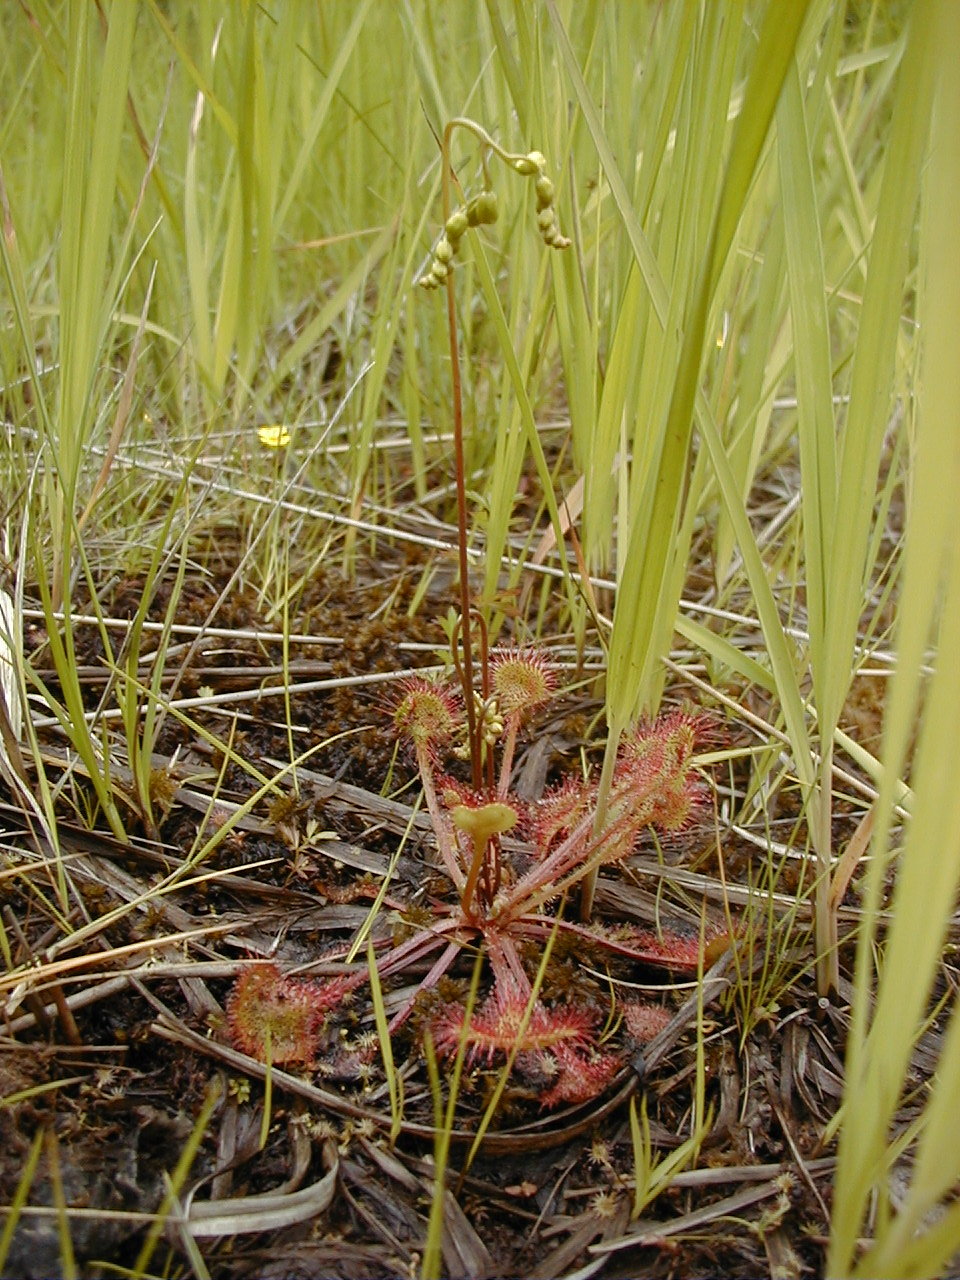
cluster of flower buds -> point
(534, 165)
(483, 209)
(489, 720)
(479, 211)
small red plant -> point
(553, 1043)
(654, 785)
(509, 905)
(554, 1046)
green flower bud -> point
(530, 164)
(546, 219)
(545, 192)
(482, 209)
(443, 251)
(457, 224)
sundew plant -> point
(479, 597)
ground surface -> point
(114, 1054)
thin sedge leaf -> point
(636, 625)
(203, 83)
(926, 889)
(930, 864)
(306, 154)
(244, 278)
(89, 189)
(15, 1212)
(398, 265)
(784, 660)
(394, 1081)
(333, 307)
(228, 300)
(872, 377)
(511, 436)
(196, 265)
(765, 335)
(811, 348)
(818, 469)
(523, 400)
(179, 1176)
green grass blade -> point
(873, 365)
(887, 1021)
(179, 1175)
(811, 349)
(24, 1184)
(644, 612)
(394, 1080)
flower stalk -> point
(476, 212)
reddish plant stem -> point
(579, 855)
(419, 946)
(450, 953)
(511, 729)
(473, 875)
(508, 970)
(459, 466)
(446, 841)
(484, 691)
(713, 948)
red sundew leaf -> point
(630, 810)
(558, 811)
(677, 805)
(453, 792)
(669, 740)
(642, 1020)
(642, 766)
(675, 950)
(496, 1026)
(578, 1076)
(292, 1012)
(426, 712)
(654, 775)
(522, 680)
(665, 949)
